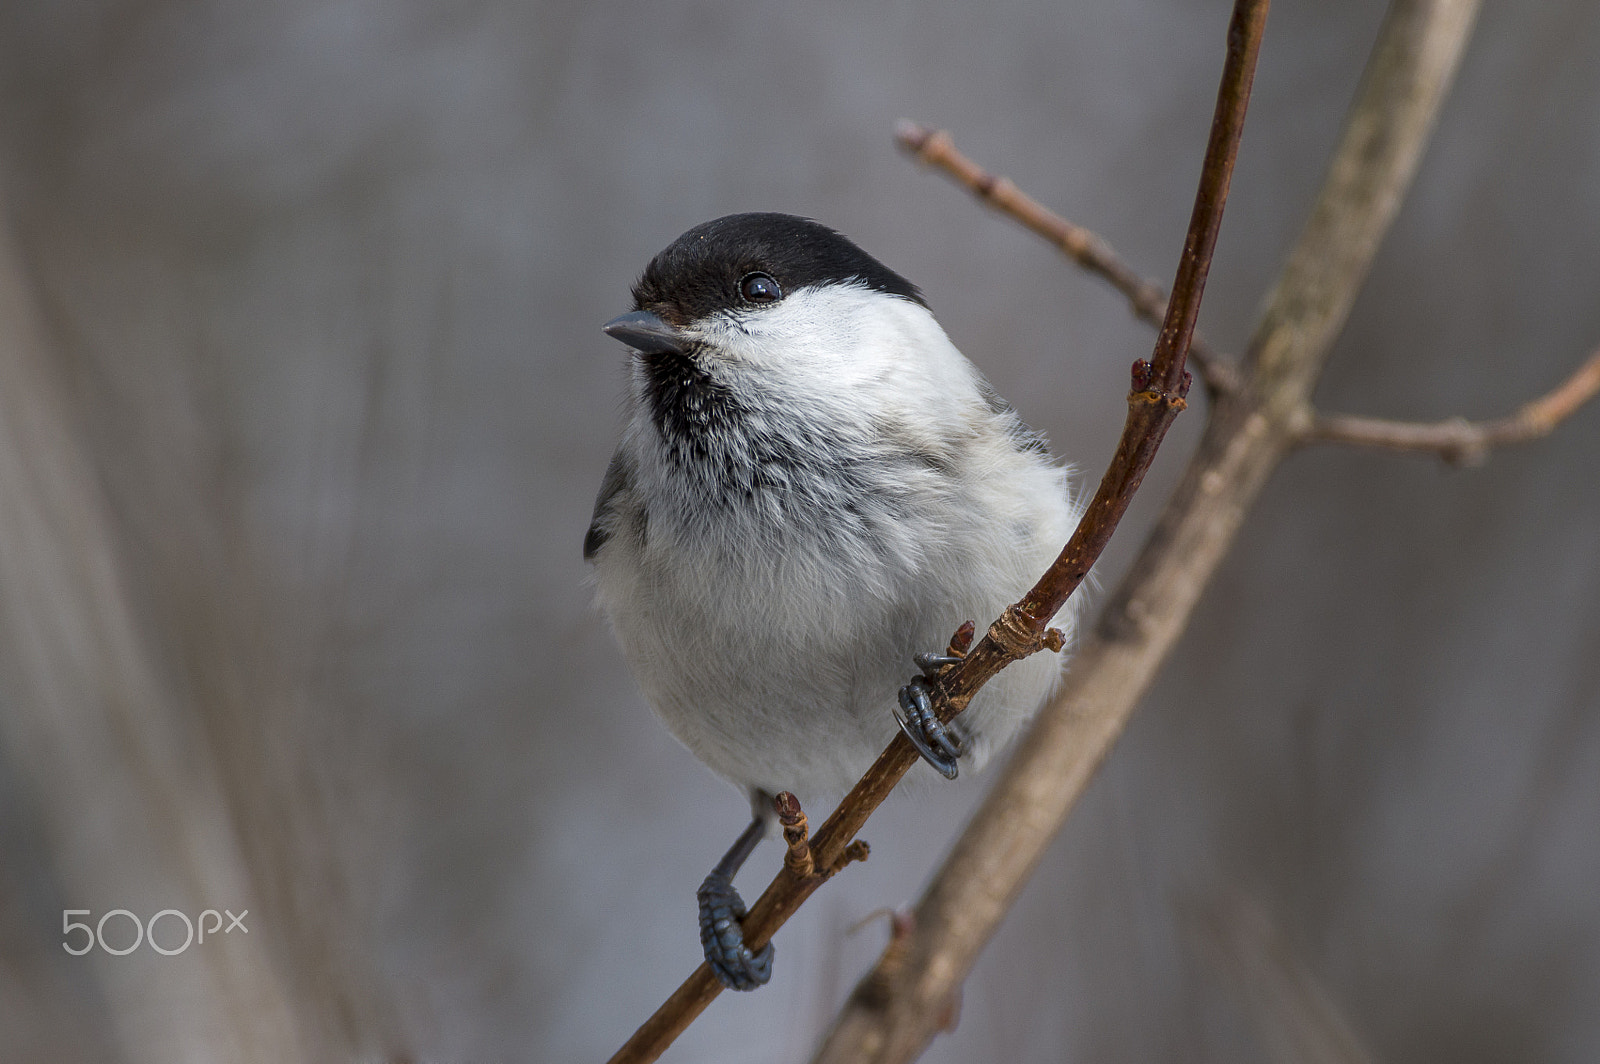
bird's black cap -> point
(699, 273)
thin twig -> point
(1457, 440)
(1246, 437)
(793, 821)
(1156, 399)
(937, 149)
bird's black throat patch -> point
(689, 407)
(708, 436)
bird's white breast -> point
(771, 631)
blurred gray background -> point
(303, 403)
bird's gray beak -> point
(646, 333)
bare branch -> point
(1157, 398)
(1457, 440)
(937, 149)
(1247, 436)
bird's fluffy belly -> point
(778, 695)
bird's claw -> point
(939, 744)
(722, 937)
(930, 664)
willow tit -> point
(813, 485)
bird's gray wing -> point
(618, 478)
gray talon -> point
(930, 663)
(734, 965)
(929, 721)
(937, 743)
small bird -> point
(813, 487)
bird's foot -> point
(938, 743)
(722, 937)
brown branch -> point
(1245, 439)
(1457, 440)
(1156, 399)
(937, 149)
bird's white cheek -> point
(841, 343)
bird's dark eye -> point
(759, 288)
